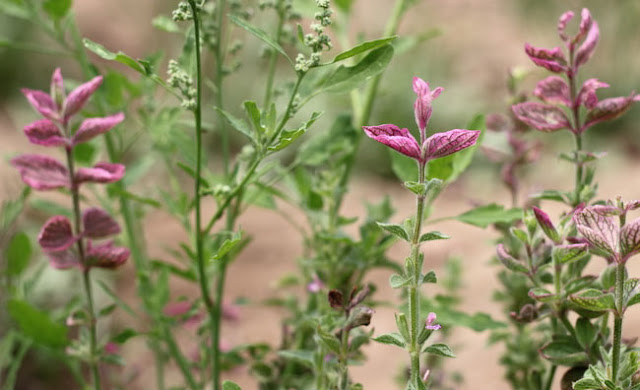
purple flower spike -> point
(396, 138)
(562, 24)
(587, 95)
(100, 173)
(44, 132)
(551, 59)
(93, 127)
(79, 96)
(449, 142)
(609, 109)
(41, 172)
(63, 259)
(423, 105)
(600, 231)
(547, 226)
(56, 234)
(106, 255)
(431, 318)
(588, 46)
(98, 223)
(542, 117)
(553, 89)
(42, 103)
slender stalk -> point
(549, 381)
(575, 111)
(413, 288)
(344, 356)
(219, 77)
(273, 57)
(86, 279)
(617, 322)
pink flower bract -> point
(41, 172)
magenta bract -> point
(550, 59)
(56, 234)
(41, 172)
(587, 95)
(64, 259)
(423, 104)
(547, 226)
(562, 24)
(540, 116)
(553, 89)
(93, 127)
(44, 132)
(100, 173)
(585, 51)
(609, 109)
(599, 230)
(449, 142)
(106, 255)
(98, 223)
(431, 319)
(79, 96)
(396, 138)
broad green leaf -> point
(56, 9)
(260, 34)
(397, 281)
(449, 168)
(435, 235)
(565, 352)
(330, 341)
(304, 357)
(586, 384)
(164, 23)
(18, 254)
(593, 300)
(124, 335)
(228, 385)
(490, 214)
(237, 123)
(37, 325)
(569, 254)
(440, 350)
(347, 78)
(586, 333)
(405, 168)
(361, 48)
(396, 230)
(391, 339)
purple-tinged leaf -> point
(600, 231)
(98, 223)
(540, 116)
(100, 173)
(43, 103)
(564, 254)
(93, 127)
(63, 259)
(562, 24)
(41, 172)
(79, 96)
(586, 23)
(547, 226)
(509, 261)
(44, 132)
(396, 138)
(106, 255)
(630, 239)
(553, 89)
(606, 210)
(587, 95)
(57, 91)
(449, 142)
(588, 46)
(632, 205)
(56, 234)
(609, 109)
(550, 59)
(423, 104)
(542, 295)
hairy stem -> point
(575, 111)
(617, 322)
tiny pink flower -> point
(111, 348)
(423, 104)
(315, 285)
(425, 377)
(431, 319)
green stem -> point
(344, 368)
(575, 111)
(181, 361)
(549, 381)
(413, 288)
(273, 58)
(617, 322)
(219, 78)
(86, 279)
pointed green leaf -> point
(237, 123)
(586, 384)
(37, 325)
(56, 9)
(490, 214)
(593, 300)
(300, 356)
(564, 352)
(361, 48)
(164, 23)
(440, 350)
(435, 235)
(631, 291)
(391, 339)
(542, 295)
(430, 277)
(403, 325)
(260, 34)
(18, 254)
(330, 341)
(396, 230)
(565, 254)
(586, 333)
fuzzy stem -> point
(617, 322)
(575, 111)
(86, 279)
(413, 288)
(344, 367)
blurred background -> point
(477, 43)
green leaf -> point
(288, 137)
(18, 254)
(397, 281)
(11, 209)
(260, 34)
(393, 338)
(227, 246)
(594, 300)
(564, 351)
(405, 168)
(490, 214)
(569, 254)
(253, 112)
(330, 341)
(164, 23)
(520, 234)
(125, 335)
(237, 123)
(542, 295)
(50, 207)
(403, 325)
(347, 78)
(435, 235)
(56, 9)
(449, 168)
(228, 385)
(37, 325)
(586, 384)
(430, 277)
(586, 333)
(361, 48)
(440, 350)
(630, 291)
(304, 357)
(396, 230)
(120, 57)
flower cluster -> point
(436, 146)
(39, 172)
(556, 93)
(318, 42)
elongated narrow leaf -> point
(435, 235)
(490, 214)
(346, 78)
(361, 48)
(237, 123)
(260, 34)
(304, 357)
(440, 350)
(593, 300)
(391, 339)
(396, 230)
